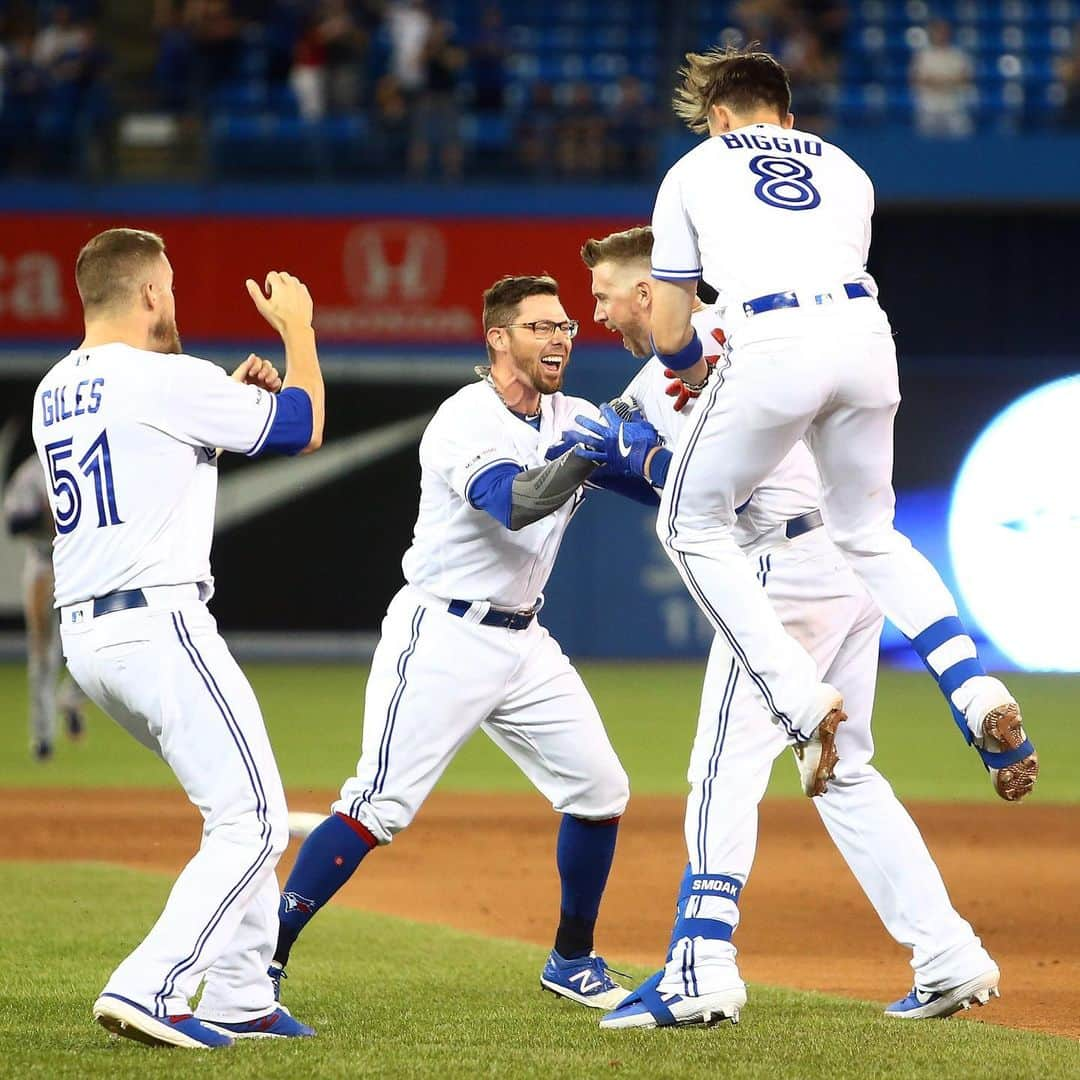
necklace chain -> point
(484, 371)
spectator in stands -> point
(582, 135)
(631, 127)
(173, 67)
(1067, 71)
(216, 41)
(60, 37)
(345, 44)
(941, 82)
(437, 111)
(390, 127)
(24, 92)
(409, 25)
(813, 77)
(535, 134)
(487, 63)
(308, 75)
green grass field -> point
(397, 999)
(314, 715)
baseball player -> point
(822, 603)
(462, 648)
(26, 510)
(128, 432)
(778, 221)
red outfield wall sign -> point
(385, 281)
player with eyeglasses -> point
(462, 648)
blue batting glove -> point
(622, 445)
(581, 441)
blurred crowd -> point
(443, 88)
(53, 83)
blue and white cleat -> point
(938, 1004)
(121, 1017)
(649, 1007)
(279, 1024)
(584, 980)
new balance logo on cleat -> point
(587, 983)
(584, 979)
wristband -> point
(685, 358)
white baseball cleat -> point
(939, 1004)
(650, 1007)
(817, 757)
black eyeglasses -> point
(545, 328)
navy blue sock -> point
(584, 853)
(326, 860)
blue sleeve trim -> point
(676, 275)
(490, 490)
(271, 412)
(658, 470)
(632, 487)
(292, 425)
(476, 476)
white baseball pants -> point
(436, 678)
(828, 374)
(163, 673)
(823, 606)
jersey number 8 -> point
(67, 498)
(785, 183)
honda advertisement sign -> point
(374, 282)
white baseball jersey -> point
(716, 215)
(791, 489)
(460, 552)
(127, 439)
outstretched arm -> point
(517, 497)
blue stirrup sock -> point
(326, 860)
(688, 923)
(583, 853)
(949, 654)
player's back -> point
(131, 485)
(772, 210)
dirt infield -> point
(486, 863)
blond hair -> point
(109, 267)
(630, 245)
(740, 79)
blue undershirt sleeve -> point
(293, 423)
(632, 487)
(491, 489)
(658, 470)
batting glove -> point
(685, 392)
(620, 445)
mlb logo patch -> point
(77, 616)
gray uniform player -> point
(26, 511)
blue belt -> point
(777, 300)
(804, 523)
(508, 620)
(119, 601)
